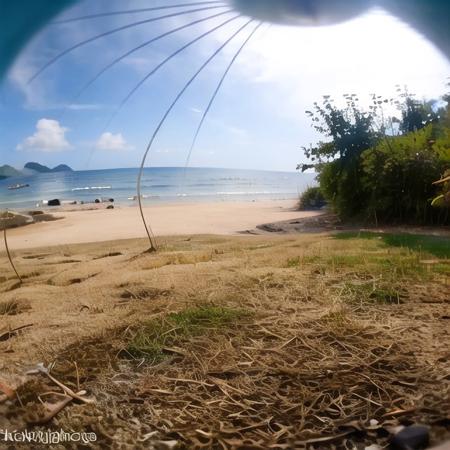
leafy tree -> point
(350, 131)
(415, 114)
(398, 176)
(379, 167)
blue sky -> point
(258, 119)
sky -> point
(258, 119)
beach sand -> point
(169, 219)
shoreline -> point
(168, 219)
(82, 205)
(160, 185)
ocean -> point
(164, 184)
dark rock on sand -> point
(271, 228)
(11, 219)
(414, 437)
(315, 224)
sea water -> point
(166, 184)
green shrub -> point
(350, 131)
(367, 172)
(311, 198)
(341, 184)
(398, 176)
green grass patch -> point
(198, 318)
(153, 337)
(438, 246)
(372, 293)
(389, 265)
(335, 318)
(338, 260)
(293, 262)
(406, 266)
(331, 260)
(339, 323)
(442, 269)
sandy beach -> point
(169, 219)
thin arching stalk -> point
(8, 254)
(113, 31)
(166, 60)
(166, 114)
(139, 47)
(161, 64)
(230, 65)
(133, 11)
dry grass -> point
(13, 307)
(252, 342)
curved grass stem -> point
(164, 118)
(8, 254)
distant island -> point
(7, 171)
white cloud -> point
(112, 142)
(49, 136)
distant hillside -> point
(44, 169)
(8, 171)
(36, 167)
(62, 168)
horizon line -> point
(164, 167)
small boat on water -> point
(18, 186)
